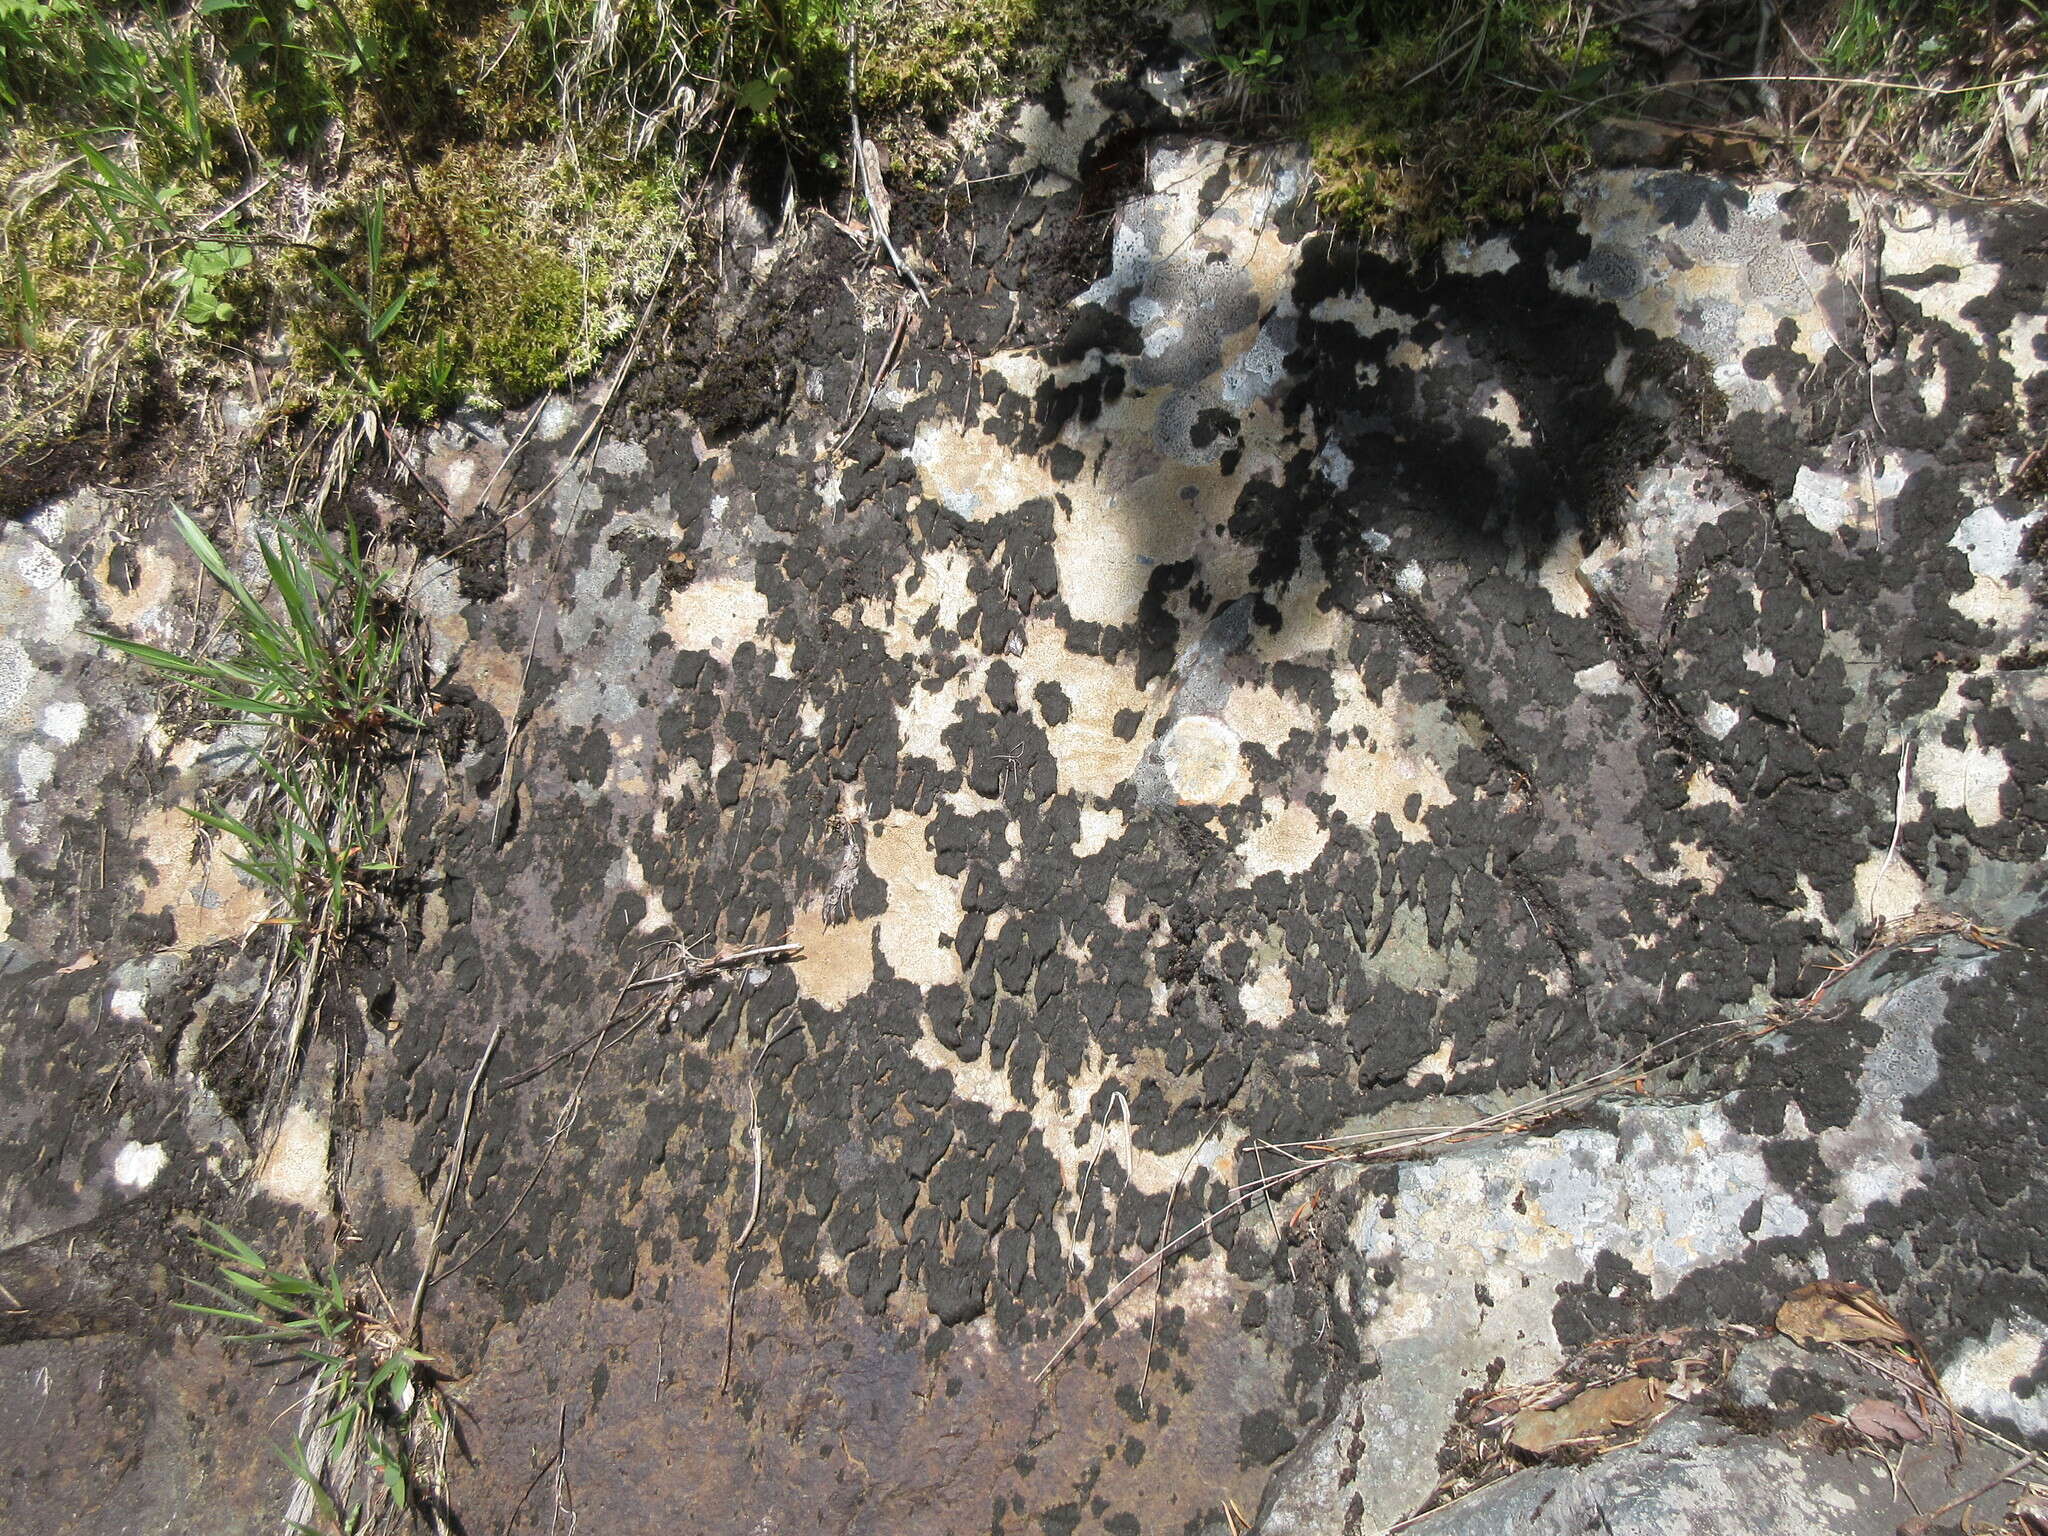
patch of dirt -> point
(391, 502)
(137, 443)
(730, 359)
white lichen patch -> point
(1858, 498)
(1667, 1191)
(1879, 1156)
(1056, 143)
(620, 458)
(1936, 242)
(1720, 278)
(64, 721)
(1602, 680)
(1718, 719)
(1991, 541)
(1267, 997)
(1479, 1243)
(1099, 828)
(1204, 762)
(1980, 1376)
(136, 1165)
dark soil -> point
(138, 440)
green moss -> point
(936, 56)
(519, 266)
(500, 319)
(1434, 132)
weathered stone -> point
(1225, 689)
(1691, 1474)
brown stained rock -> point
(833, 1420)
(109, 1434)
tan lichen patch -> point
(1689, 861)
(1109, 545)
(1966, 779)
(936, 587)
(1306, 627)
(1887, 888)
(1090, 757)
(294, 1166)
(1703, 789)
(838, 961)
(922, 720)
(1381, 769)
(1558, 574)
(715, 615)
(970, 474)
(1436, 1064)
(206, 897)
(923, 904)
(1287, 842)
(146, 605)
(1268, 716)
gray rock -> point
(1693, 1475)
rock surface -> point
(1224, 688)
(1691, 1475)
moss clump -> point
(1435, 131)
(518, 266)
(933, 57)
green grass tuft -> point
(319, 669)
(1426, 120)
(369, 1402)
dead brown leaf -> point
(1886, 1422)
(1839, 1312)
(2029, 1514)
(1596, 1411)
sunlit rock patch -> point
(1224, 686)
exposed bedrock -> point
(1224, 687)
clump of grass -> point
(1915, 87)
(1420, 141)
(516, 267)
(931, 56)
(664, 71)
(1425, 119)
(180, 185)
(320, 669)
(370, 1409)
